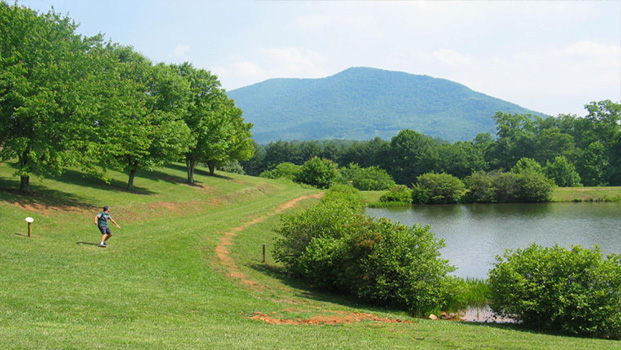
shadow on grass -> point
(40, 197)
(72, 177)
(305, 290)
(87, 243)
(77, 178)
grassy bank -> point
(587, 194)
(185, 271)
(560, 194)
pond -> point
(475, 233)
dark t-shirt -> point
(102, 219)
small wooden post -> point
(29, 220)
(263, 253)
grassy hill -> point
(185, 271)
(362, 103)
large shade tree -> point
(217, 128)
(50, 89)
(149, 130)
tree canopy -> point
(70, 100)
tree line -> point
(68, 100)
(572, 150)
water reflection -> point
(475, 234)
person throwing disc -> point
(101, 220)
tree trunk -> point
(212, 167)
(24, 184)
(24, 180)
(132, 175)
(191, 165)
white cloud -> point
(180, 52)
(288, 62)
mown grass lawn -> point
(161, 285)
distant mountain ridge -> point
(362, 103)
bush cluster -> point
(503, 187)
(398, 193)
(574, 291)
(367, 179)
(434, 188)
(334, 246)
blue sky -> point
(549, 56)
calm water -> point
(475, 234)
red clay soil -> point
(328, 317)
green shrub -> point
(573, 291)
(437, 189)
(501, 187)
(284, 170)
(534, 187)
(367, 179)
(398, 193)
(526, 165)
(321, 173)
(333, 246)
(347, 194)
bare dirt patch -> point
(324, 317)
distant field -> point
(186, 271)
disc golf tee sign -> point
(29, 220)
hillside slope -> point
(362, 103)
(185, 272)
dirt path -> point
(224, 254)
(287, 316)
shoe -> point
(103, 245)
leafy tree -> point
(516, 139)
(461, 159)
(367, 179)
(411, 154)
(50, 91)
(255, 165)
(526, 165)
(149, 131)
(551, 142)
(562, 172)
(574, 291)
(284, 170)
(231, 139)
(321, 173)
(437, 189)
(366, 153)
(219, 132)
(593, 164)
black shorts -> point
(105, 230)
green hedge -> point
(574, 291)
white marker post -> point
(29, 220)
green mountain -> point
(362, 103)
